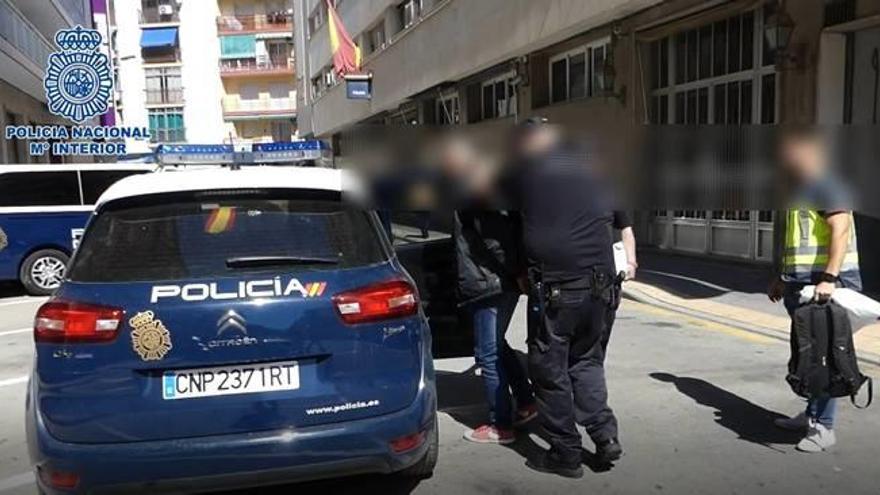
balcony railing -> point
(160, 55)
(164, 96)
(16, 30)
(275, 22)
(167, 135)
(159, 14)
(272, 65)
(233, 105)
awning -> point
(159, 38)
(238, 46)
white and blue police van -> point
(43, 211)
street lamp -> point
(608, 78)
(778, 31)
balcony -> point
(164, 96)
(167, 136)
(235, 108)
(260, 23)
(18, 32)
(152, 12)
(256, 67)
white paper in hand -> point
(620, 261)
(860, 307)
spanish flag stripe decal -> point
(221, 220)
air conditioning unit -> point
(166, 9)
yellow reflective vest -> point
(807, 243)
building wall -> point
(253, 100)
(456, 39)
(199, 65)
(26, 35)
(203, 90)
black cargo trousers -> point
(569, 328)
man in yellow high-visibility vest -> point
(819, 248)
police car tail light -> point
(71, 322)
(62, 480)
(382, 301)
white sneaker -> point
(796, 423)
(818, 439)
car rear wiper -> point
(268, 261)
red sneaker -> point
(490, 434)
(525, 415)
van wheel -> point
(425, 467)
(42, 271)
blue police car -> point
(43, 209)
(230, 328)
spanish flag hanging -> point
(346, 54)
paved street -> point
(695, 401)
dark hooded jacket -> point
(488, 253)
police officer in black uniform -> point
(568, 220)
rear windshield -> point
(209, 237)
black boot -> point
(609, 451)
(550, 462)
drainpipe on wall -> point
(101, 22)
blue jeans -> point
(822, 410)
(499, 365)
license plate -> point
(230, 380)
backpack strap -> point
(870, 382)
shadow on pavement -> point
(736, 276)
(461, 396)
(750, 421)
(11, 289)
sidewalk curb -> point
(773, 333)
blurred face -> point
(464, 164)
(803, 157)
(538, 140)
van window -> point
(95, 182)
(207, 238)
(39, 189)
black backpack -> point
(823, 357)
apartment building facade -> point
(27, 31)
(205, 71)
(611, 69)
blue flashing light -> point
(224, 154)
(313, 145)
(194, 149)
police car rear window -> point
(212, 236)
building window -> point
(166, 125)
(279, 53)
(376, 38)
(499, 97)
(325, 81)
(282, 131)
(163, 85)
(448, 109)
(721, 73)
(578, 73)
(709, 75)
(317, 19)
(409, 12)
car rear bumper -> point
(236, 461)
